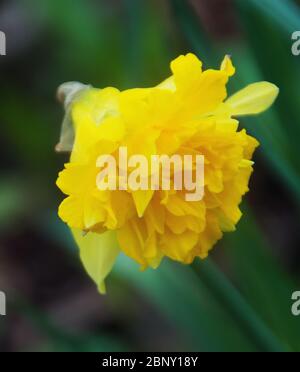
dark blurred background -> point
(240, 299)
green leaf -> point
(194, 309)
(284, 13)
(262, 281)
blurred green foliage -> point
(240, 301)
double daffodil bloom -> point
(186, 114)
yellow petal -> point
(94, 106)
(209, 237)
(142, 199)
(94, 212)
(134, 107)
(155, 216)
(111, 129)
(168, 84)
(98, 253)
(203, 94)
(71, 211)
(198, 92)
(227, 66)
(142, 106)
(131, 238)
(186, 69)
(76, 178)
(178, 246)
(85, 106)
(253, 99)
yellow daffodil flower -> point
(188, 113)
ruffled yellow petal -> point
(75, 174)
(208, 238)
(131, 238)
(187, 70)
(142, 199)
(141, 107)
(94, 212)
(178, 246)
(71, 211)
